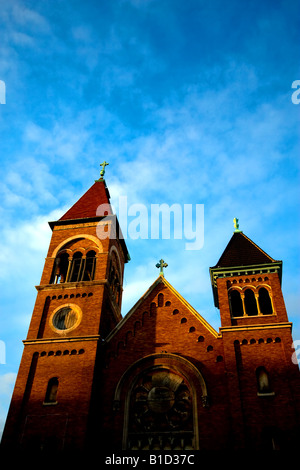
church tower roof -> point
(241, 251)
(86, 206)
(242, 256)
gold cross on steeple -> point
(236, 225)
(104, 164)
(161, 265)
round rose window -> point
(66, 318)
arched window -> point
(90, 264)
(160, 412)
(76, 268)
(60, 269)
(51, 392)
(152, 309)
(236, 304)
(117, 290)
(264, 300)
(114, 278)
(160, 300)
(263, 382)
(250, 303)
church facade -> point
(161, 378)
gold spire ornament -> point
(161, 265)
(104, 164)
(236, 225)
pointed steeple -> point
(242, 257)
(241, 251)
(86, 206)
(93, 206)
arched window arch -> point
(162, 392)
(160, 300)
(112, 273)
(115, 275)
(263, 381)
(115, 265)
(115, 283)
(250, 303)
(236, 303)
(76, 268)
(160, 414)
(60, 269)
(90, 265)
(264, 300)
(152, 309)
(116, 289)
(51, 392)
(75, 259)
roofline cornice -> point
(249, 270)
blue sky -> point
(189, 102)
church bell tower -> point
(263, 382)
(78, 304)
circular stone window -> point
(160, 402)
(160, 399)
(65, 318)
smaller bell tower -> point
(246, 284)
(78, 304)
(258, 344)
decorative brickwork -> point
(161, 378)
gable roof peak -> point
(242, 251)
(162, 280)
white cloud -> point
(29, 18)
(25, 244)
(21, 39)
(82, 33)
(65, 139)
(23, 25)
(27, 185)
(7, 382)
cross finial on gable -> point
(236, 225)
(161, 265)
(104, 164)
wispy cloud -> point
(7, 382)
(188, 101)
(25, 244)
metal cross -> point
(236, 224)
(104, 164)
(161, 265)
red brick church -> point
(160, 378)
